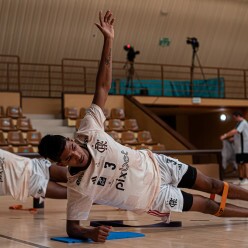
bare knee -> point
(217, 186)
(204, 205)
(208, 184)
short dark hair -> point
(237, 113)
(52, 146)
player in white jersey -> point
(100, 170)
(21, 177)
(240, 136)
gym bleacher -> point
(16, 131)
(124, 130)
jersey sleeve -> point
(93, 120)
(78, 205)
(240, 127)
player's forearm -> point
(104, 75)
(77, 231)
(228, 134)
(97, 234)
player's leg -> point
(241, 172)
(207, 206)
(215, 186)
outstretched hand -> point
(106, 24)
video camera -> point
(193, 41)
(131, 53)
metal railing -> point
(78, 75)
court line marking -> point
(23, 241)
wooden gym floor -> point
(22, 229)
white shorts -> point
(170, 197)
(39, 178)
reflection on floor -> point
(21, 228)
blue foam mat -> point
(112, 235)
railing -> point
(76, 75)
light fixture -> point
(223, 117)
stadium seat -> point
(3, 141)
(14, 112)
(71, 113)
(78, 123)
(7, 148)
(117, 113)
(7, 124)
(142, 146)
(114, 135)
(82, 113)
(158, 147)
(15, 138)
(128, 137)
(23, 149)
(115, 125)
(131, 124)
(24, 124)
(33, 138)
(106, 113)
(145, 137)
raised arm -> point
(97, 234)
(104, 75)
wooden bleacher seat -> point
(33, 138)
(158, 147)
(2, 114)
(82, 112)
(14, 112)
(117, 113)
(130, 146)
(24, 124)
(23, 149)
(16, 138)
(128, 137)
(7, 124)
(7, 148)
(71, 114)
(131, 125)
(3, 141)
(106, 128)
(115, 125)
(106, 113)
(144, 137)
(114, 135)
(142, 146)
(78, 123)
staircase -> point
(50, 124)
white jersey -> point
(117, 175)
(15, 172)
(21, 177)
(241, 138)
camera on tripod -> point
(193, 42)
(131, 53)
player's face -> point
(73, 155)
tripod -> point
(195, 46)
(130, 75)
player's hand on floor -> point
(100, 233)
